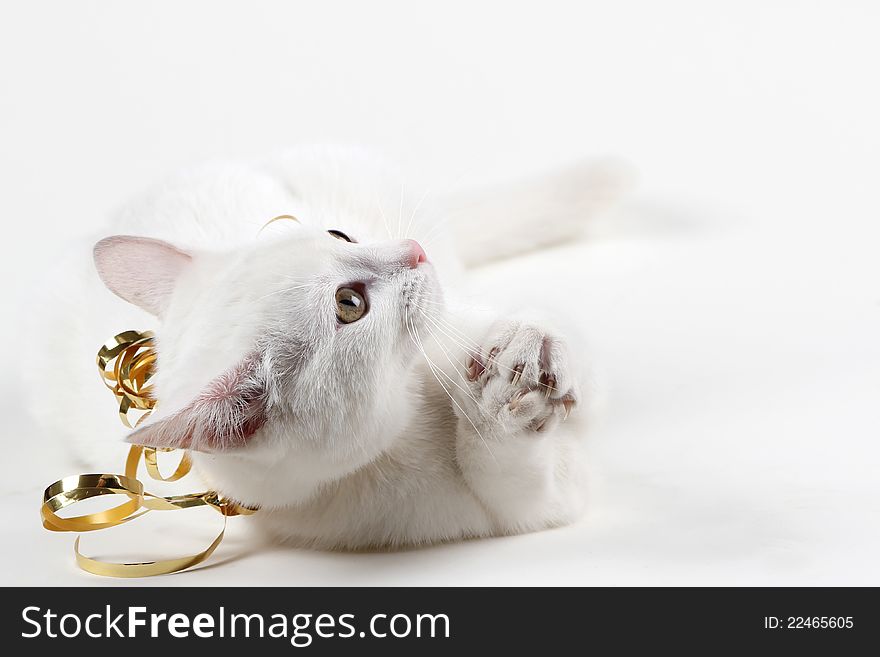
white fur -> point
(382, 432)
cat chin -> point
(257, 478)
(278, 469)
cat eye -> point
(338, 234)
(351, 305)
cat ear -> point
(224, 416)
(141, 270)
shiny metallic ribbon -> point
(280, 217)
(126, 364)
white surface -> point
(733, 304)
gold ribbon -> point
(126, 364)
(280, 217)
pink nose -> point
(415, 253)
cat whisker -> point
(440, 370)
(459, 303)
(463, 337)
(382, 212)
(454, 367)
(411, 329)
(476, 352)
(452, 332)
(286, 289)
(415, 210)
(434, 233)
(434, 370)
(438, 318)
(296, 279)
(400, 212)
(450, 187)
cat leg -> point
(512, 447)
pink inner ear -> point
(141, 270)
(223, 417)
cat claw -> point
(489, 362)
(517, 374)
(513, 404)
(523, 379)
(567, 404)
(475, 368)
(548, 382)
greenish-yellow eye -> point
(351, 305)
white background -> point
(733, 301)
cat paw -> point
(521, 380)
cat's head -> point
(290, 358)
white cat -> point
(317, 369)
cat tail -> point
(505, 220)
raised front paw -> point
(521, 379)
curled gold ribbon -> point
(280, 217)
(126, 364)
